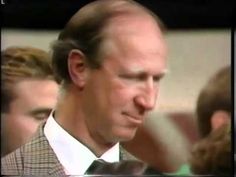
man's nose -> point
(147, 98)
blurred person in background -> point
(28, 94)
(214, 104)
(213, 111)
(212, 155)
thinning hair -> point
(84, 32)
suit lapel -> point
(125, 155)
(39, 158)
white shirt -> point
(73, 155)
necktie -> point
(97, 164)
(127, 167)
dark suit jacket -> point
(36, 158)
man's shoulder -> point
(36, 152)
(12, 164)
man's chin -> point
(127, 135)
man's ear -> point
(77, 67)
(219, 118)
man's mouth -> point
(133, 118)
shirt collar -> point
(73, 155)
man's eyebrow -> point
(141, 73)
(160, 74)
(165, 71)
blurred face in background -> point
(33, 102)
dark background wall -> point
(176, 14)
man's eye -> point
(41, 116)
(156, 78)
(130, 77)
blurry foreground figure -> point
(28, 93)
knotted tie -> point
(96, 165)
(127, 167)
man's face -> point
(31, 106)
(120, 93)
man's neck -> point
(71, 118)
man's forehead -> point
(131, 23)
(140, 30)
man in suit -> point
(109, 59)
